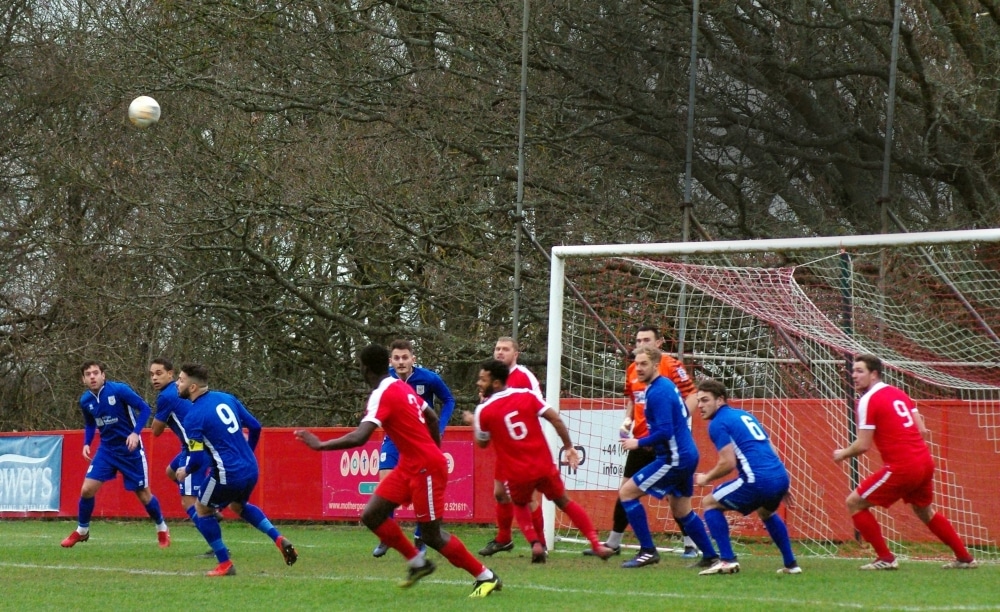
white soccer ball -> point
(143, 111)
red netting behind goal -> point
(779, 330)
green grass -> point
(121, 567)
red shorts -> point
(424, 489)
(551, 485)
(914, 486)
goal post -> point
(778, 322)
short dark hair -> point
(163, 361)
(715, 387)
(196, 373)
(89, 364)
(873, 363)
(401, 345)
(375, 357)
(496, 369)
(648, 327)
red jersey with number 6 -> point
(398, 410)
(510, 420)
(891, 413)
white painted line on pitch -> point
(527, 586)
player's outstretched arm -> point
(356, 438)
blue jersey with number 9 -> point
(215, 425)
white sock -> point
(83, 530)
(487, 574)
(614, 540)
(162, 527)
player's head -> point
(192, 381)
(92, 373)
(647, 363)
(161, 372)
(711, 397)
(374, 360)
(866, 371)
(648, 335)
(492, 377)
(506, 350)
(401, 357)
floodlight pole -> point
(519, 213)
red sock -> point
(393, 537)
(525, 521)
(578, 515)
(458, 555)
(864, 521)
(505, 520)
(538, 522)
(942, 528)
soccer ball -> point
(143, 111)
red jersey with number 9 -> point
(891, 413)
(398, 410)
(510, 420)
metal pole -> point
(890, 111)
(687, 206)
(519, 215)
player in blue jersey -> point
(118, 412)
(215, 437)
(428, 385)
(671, 474)
(760, 484)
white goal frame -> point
(557, 288)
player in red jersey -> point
(420, 477)
(509, 417)
(888, 419)
(634, 426)
(506, 351)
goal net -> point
(778, 322)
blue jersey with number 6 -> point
(215, 425)
(756, 460)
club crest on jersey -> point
(111, 400)
(420, 389)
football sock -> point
(779, 534)
(458, 555)
(687, 539)
(538, 521)
(525, 522)
(717, 524)
(943, 529)
(637, 519)
(392, 536)
(620, 520)
(85, 510)
(695, 529)
(255, 516)
(153, 510)
(615, 537)
(581, 521)
(416, 531)
(505, 520)
(191, 512)
(209, 528)
(864, 521)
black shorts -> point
(638, 459)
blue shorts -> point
(192, 484)
(215, 495)
(134, 469)
(388, 458)
(746, 497)
(659, 479)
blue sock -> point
(717, 524)
(85, 510)
(416, 531)
(779, 533)
(191, 512)
(153, 510)
(695, 529)
(640, 526)
(210, 530)
(255, 516)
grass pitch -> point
(121, 567)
